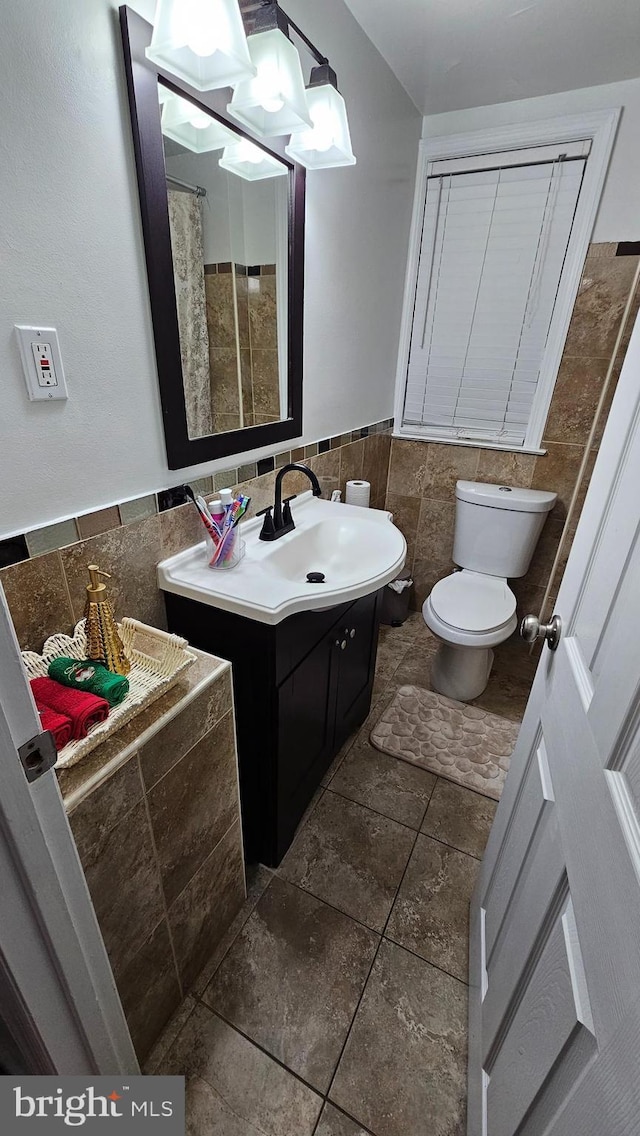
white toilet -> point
(497, 529)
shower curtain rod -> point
(199, 190)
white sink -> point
(358, 550)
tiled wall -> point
(422, 475)
(241, 302)
(161, 847)
(46, 570)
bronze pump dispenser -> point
(103, 641)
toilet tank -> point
(497, 527)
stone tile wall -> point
(241, 301)
(223, 355)
(44, 572)
(160, 843)
(422, 475)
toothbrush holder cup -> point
(231, 554)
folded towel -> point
(58, 724)
(85, 710)
(87, 674)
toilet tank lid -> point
(506, 497)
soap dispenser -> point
(103, 642)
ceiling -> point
(453, 54)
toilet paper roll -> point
(358, 493)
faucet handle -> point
(267, 532)
(286, 509)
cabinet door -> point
(306, 717)
(357, 638)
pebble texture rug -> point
(460, 742)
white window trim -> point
(599, 126)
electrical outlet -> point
(45, 368)
(41, 361)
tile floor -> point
(337, 1004)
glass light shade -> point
(202, 41)
(328, 142)
(274, 101)
(250, 162)
(193, 127)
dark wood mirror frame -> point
(142, 83)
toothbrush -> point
(209, 525)
(244, 505)
(202, 505)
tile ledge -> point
(76, 796)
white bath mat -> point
(460, 742)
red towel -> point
(85, 710)
(58, 724)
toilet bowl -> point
(470, 613)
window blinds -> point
(492, 251)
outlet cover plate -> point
(41, 362)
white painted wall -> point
(204, 170)
(71, 255)
(238, 217)
(619, 213)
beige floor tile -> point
(335, 1123)
(392, 787)
(293, 978)
(459, 817)
(403, 1071)
(350, 857)
(431, 913)
(235, 1089)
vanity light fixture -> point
(328, 142)
(250, 162)
(201, 41)
(273, 101)
(193, 127)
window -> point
(499, 241)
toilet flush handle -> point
(532, 629)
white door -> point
(58, 1000)
(555, 936)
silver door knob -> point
(532, 629)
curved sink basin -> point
(358, 550)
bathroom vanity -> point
(302, 649)
(301, 688)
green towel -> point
(87, 674)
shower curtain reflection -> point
(185, 221)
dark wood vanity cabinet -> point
(300, 688)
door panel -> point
(553, 1014)
(604, 886)
(530, 816)
(543, 890)
(555, 917)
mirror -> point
(229, 244)
(223, 223)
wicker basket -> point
(157, 662)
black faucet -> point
(281, 522)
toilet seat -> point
(473, 603)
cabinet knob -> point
(343, 644)
(352, 633)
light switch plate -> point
(41, 362)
